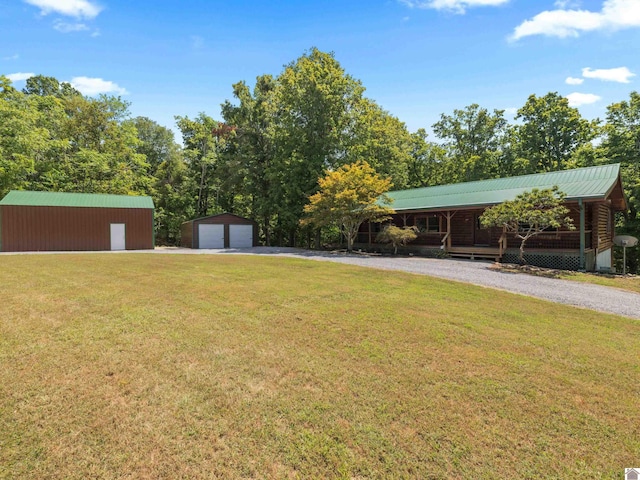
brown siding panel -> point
(27, 228)
(186, 235)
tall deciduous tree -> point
(201, 152)
(314, 115)
(551, 132)
(171, 186)
(427, 162)
(48, 86)
(253, 147)
(349, 196)
(381, 140)
(529, 214)
(475, 139)
(621, 144)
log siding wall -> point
(463, 230)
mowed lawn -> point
(631, 283)
(172, 366)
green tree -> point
(171, 186)
(529, 214)
(31, 143)
(101, 155)
(349, 196)
(474, 138)
(551, 131)
(201, 153)
(43, 86)
(314, 104)
(381, 140)
(396, 236)
(253, 147)
(427, 162)
(621, 144)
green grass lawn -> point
(631, 283)
(171, 366)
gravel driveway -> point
(595, 297)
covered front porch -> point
(459, 233)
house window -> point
(429, 224)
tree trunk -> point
(265, 230)
(318, 239)
(522, 260)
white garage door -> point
(211, 236)
(240, 236)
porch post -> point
(448, 231)
(582, 242)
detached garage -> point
(224, 230)
(49, 221)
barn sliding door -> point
(118, 237)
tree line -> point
(274, 139)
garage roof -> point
(59, 199)
(586, 183)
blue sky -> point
(416, 58)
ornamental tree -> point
(397, 236)
(349, 196)
(530, 214)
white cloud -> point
(11, 57)
(457, 6)
(620, 74)
(574, 81)
(615, 15)
(511, 110)
(16, 77)
(577, 99)
(95, 86)
(70, 27)
(69, 8)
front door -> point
(118, 238)
(481, 235)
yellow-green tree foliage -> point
(347, 197)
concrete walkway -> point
(594, 297)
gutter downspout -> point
(582, 240)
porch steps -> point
(474, 253)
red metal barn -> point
(49, 221)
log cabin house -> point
(447, 218)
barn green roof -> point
(586, 183)
(59, 199)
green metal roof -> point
(58, 199)
(586, 183)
